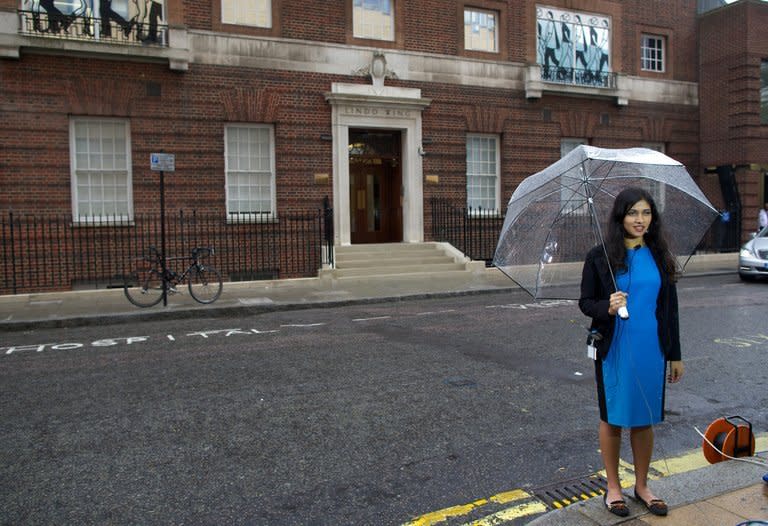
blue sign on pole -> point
(162, 162)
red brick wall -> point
(733, 42)
(187, 119)
(530, 143)
(430, 26)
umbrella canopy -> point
(556, 215)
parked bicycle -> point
(144, 286)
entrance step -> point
(389, 259)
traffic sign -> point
(162, 162)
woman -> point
(632, 353)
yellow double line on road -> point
(525, 504)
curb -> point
(176, 312)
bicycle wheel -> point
(205, 284)
(144, 288)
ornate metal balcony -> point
(113, 29)
(578, 77)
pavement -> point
(726, 493)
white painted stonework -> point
(386, 108)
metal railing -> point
(474, 231)
(578, 77)
(52, 252)
(83, 27)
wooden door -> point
(376, 211)
(375, 187)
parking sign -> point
(162, 162)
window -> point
(655, 188)
(652, 53)
(257, 13)
(572, 201)
(483, 172)
(764, 92)
(373, 19)
(250, 172)
(573, 47)
(480, 33)
(101, 169)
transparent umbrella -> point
(557, 215)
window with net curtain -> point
(373, 19)
(101, 169)
(657, 189)
(572, 203)
(250, 172)
(483, 173)
(256, 13)
(652, 53)
(480, 32)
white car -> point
(753, 257)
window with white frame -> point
(257, 13)
(100, 163)
(373, 19)
(652, 53)
(480, 30)
(250, 172)
(483, 172)
(573, 202)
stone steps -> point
(388, 259)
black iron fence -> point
(53, 252)
(474, 231)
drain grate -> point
(563, 494)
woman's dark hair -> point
(655, 237)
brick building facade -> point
(734, 129)
(379, 105)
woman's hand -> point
(675, 371)
(617, 300)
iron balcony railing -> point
(579, 77)
(51, 252)
(80, 26)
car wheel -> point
(746, 278)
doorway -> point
(375, 186)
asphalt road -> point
(367, 414)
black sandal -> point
(617, 507)
(655, 506)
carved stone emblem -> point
(377, 70)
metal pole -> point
(162, 238)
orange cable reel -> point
(732, 439)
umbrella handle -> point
(623, 313)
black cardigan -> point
(596, 288)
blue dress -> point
(634, 369)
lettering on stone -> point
(371, 111)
